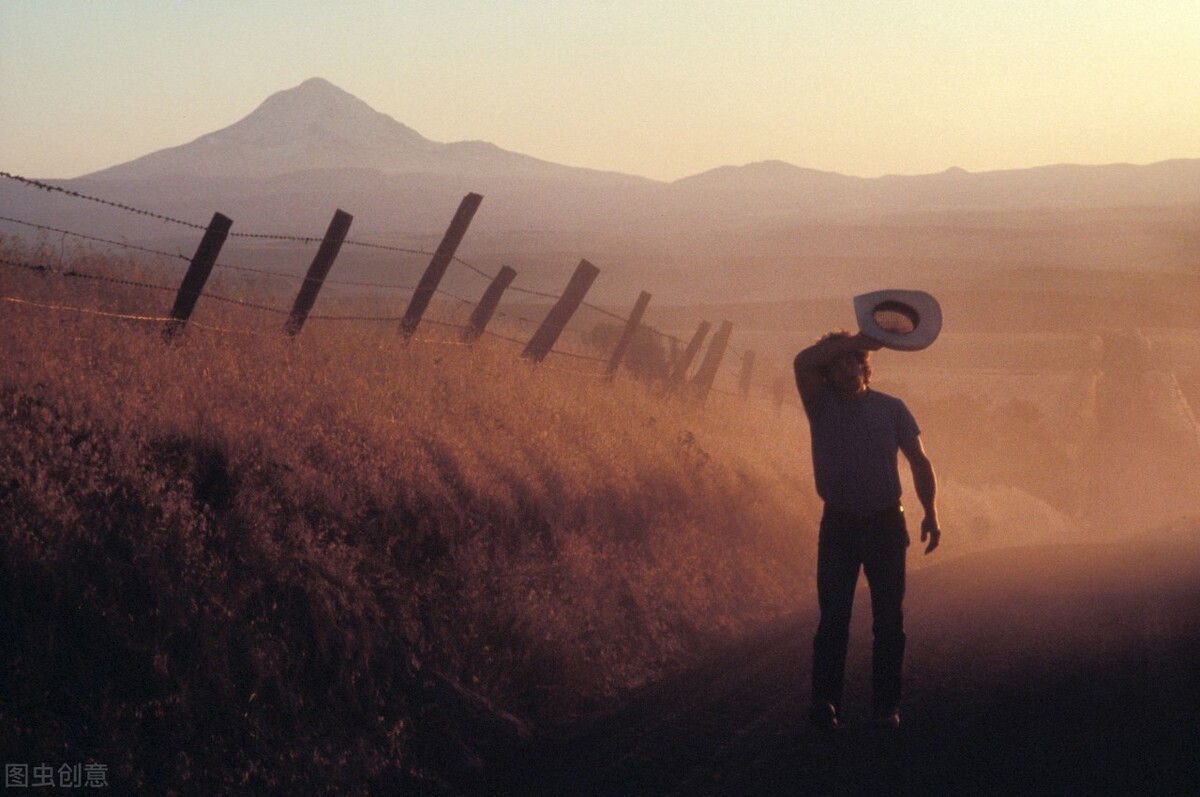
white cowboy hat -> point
(904, 320)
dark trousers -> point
(878, 544)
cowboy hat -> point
(904, 320)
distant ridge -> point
(765, 172)
(760, 230)
(321, 135)
(777, 186)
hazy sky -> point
(660, 89)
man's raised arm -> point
(810, 362)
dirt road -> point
(1056, 670)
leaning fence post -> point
(707, 372)
(317, 271)
(438, 264)
(486, 308)
(631, 327)
(684, 361)
(747, 371)
(556, 320)
(197, 274)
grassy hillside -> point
(339, 563)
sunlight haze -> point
(314, 480)
(662, 90)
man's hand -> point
(865, 342)
(931, 532)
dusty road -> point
(1057, 670)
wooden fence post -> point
(631, 328)
(438, 264)
(747, 372)
(707, 373)
(197, 274)
(339, 225)
(486, 308)
(684, 361)
(556, 320)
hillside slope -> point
(340, 564)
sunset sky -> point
(659, 89)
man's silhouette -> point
(856, 434)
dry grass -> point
(243, 561)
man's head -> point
(850, 374)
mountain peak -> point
(314, 125)
(318, 126)
(318, 84)
(317, 108)
(315, 95)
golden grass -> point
(281, 539)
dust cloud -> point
(1086, 436)
(1059, 406)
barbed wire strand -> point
(474, 268)
(123, 316)
(577, 356)
(387, 247)
(265, 236)
(305, 239)
(44, 269)
(364, 318)
(123, 244)
(438, 323)
(269, 236)
(516, 289)
(243, 303)
(608, 313)
(308, 239)
(444, 342)
(293, 238)
(79, 195)
(504, 337)
(221, 265)
(576, 371)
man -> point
(856, 433)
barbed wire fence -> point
(572, 336)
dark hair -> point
(863, 355)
